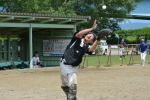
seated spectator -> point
(36, 60)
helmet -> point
(142, 40)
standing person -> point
(143, 50)
(36, 60)
(122, 45)
(73, 57)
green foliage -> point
(2, 39)
(142, 31)
(133, 35)
(37, 6)
(116, 9)
(130, 39)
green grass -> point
(93, 60)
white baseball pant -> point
(68, 74)
(143, 56)
(121, 51)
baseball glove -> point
(121, 46)
(103, 33)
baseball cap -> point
(142, 40)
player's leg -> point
(144, 56)
(141, 57)
(123, 53)
(64, 85)
(69, 80)
(120, 53)
(72, 86)
(72, 92)
(65, 89)
(64, 79)
(35, 66)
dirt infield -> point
(104, 83)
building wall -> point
(13, 50)
(38, 45)
(3, 50)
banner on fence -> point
(54, 47)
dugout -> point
(21, 34)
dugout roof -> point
(17, 23)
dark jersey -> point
(122, 44)
(143, 48)
(75, 51)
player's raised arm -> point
(79, 34)
(93, 47)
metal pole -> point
(30, 46)
(74, 30)
(8, 48)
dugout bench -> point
(6, 64)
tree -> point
(37, 6)
(134, 35)
(141, 31)
(116, 9)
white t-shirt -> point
(35, 60)
(81, 44)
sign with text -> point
(54, 47)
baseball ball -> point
(104, 7)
